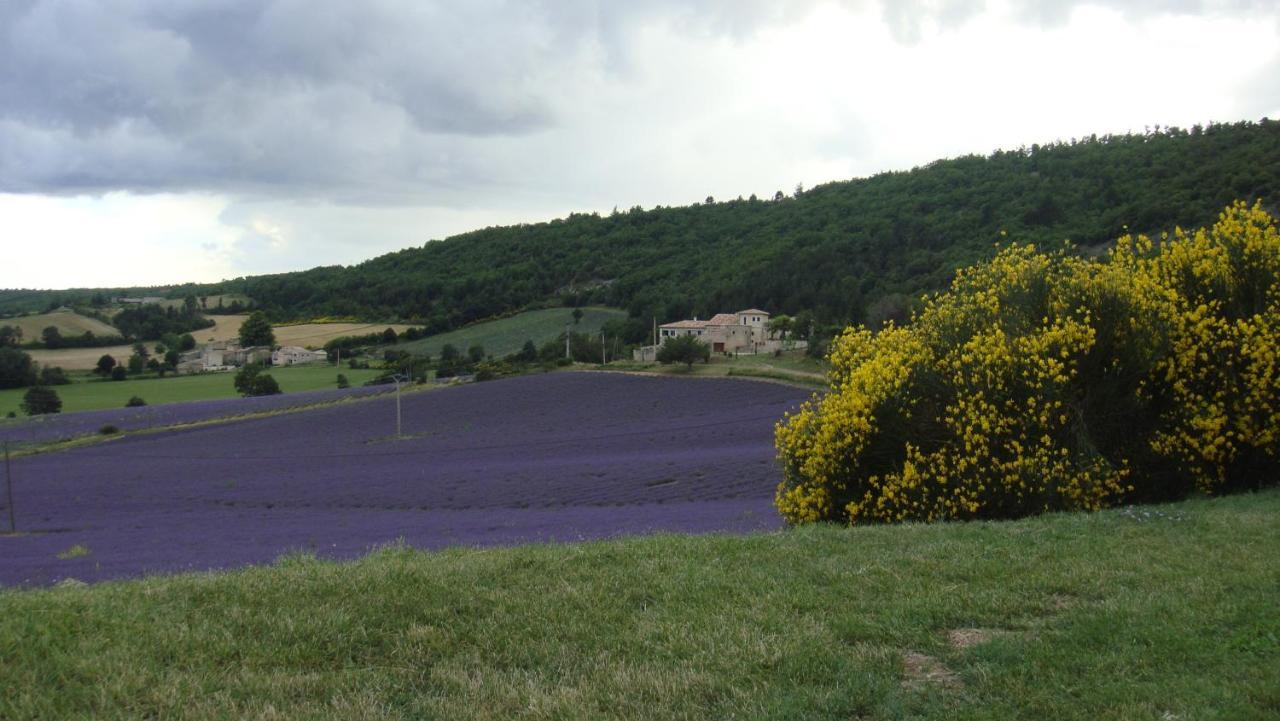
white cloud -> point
(210, 140)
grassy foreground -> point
(1165, 612)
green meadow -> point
(507, 335)
(89, 393)
(1154, 612)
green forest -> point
(856, 250)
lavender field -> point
(556, 457)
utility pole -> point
(566, 342)
(604, 358)
(398, 378)
(8, 483)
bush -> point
(53, 376)
(40, 400)
(1044, 381)
(108, 430)
(119, 373)
(135, 402)
(343, 382)
(684, 349)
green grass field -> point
(790, 367)
(1161, 612)
(91, 394)
(507, 335)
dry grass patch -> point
(922, 670)
(963, 639)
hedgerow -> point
(1048, 381)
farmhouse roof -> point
(685, 324)
(753, 311)
(723, 319)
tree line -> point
(851, 251)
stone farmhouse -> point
(293, 355)
(744, 332)
(222, 356)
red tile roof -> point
(723, 319)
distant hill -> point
(839, 249)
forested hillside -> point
(838, 249)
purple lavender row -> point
(556, 457)
(62, 426)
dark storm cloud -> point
(365, 102)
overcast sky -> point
(160, 141)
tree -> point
(105, 364)
(528, 352)
(684, 349)
(251, 381)
(40, 400)
(802, 325)
(16, 369)
(475, 353)
(119, 373)
(53, 376)
(51, 337)
(781, 325)
(389, 336)
(256, 330)
(136, 364)
(10, 335)
(186, 342)
(577, 315)
(343, 382)
(135, 402)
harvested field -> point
(555, 457)
(78, 359)
(67, 322)
(317, 334)
(306, 335)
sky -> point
(149, 142)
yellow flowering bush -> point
(1046, 381)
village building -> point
(221, 356)
(744, 332)
(293, 355)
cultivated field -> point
(507, 335)
(560, 456)
(67, 322)
(315, 335)
(79, 359)
(97, 394)
(307, 335)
